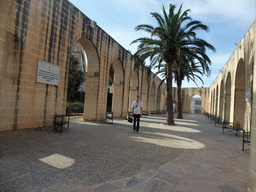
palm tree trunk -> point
(179, 108)
(170, 119)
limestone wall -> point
(33, 30)
(232, 95)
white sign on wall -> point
(48, 73)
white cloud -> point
(241, 11)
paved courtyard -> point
(192, 156)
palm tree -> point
(180, 72)
(168, 41)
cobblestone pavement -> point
(191, 156)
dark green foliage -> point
(75, 78)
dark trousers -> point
(136, 119)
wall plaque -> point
(48, 73)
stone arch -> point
(158, 99)
(213, 102)
(196, 104)
(92, 56)
(118, 82)
(163, 99)
(92, 80)
(216, 100)
(239, 104)
(134, 88)
(221, 99)
(227, 97)
(144, 94)
(152, 97)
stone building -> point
(36, 41)
(232, 94)
(37, 38)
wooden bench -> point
(109, 117)
(153, 112)
(159, 112)
(60, 121)
(144, 113)
(212, 117)
(246, 138)
(231, 127)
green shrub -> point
(75, 107)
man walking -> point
(137, 113)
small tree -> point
(75, 78)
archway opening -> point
(196, 104)
(216, 100)
(76, 85)
(239, 105)
(213, 102)
(158, 100)
(115, 91)
(88, 59)
(152, 98)
(144, 95)
(110, 88)
(221, 99)
(134, 88)
(163, 100)
(227, 97)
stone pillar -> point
(91, 98)
(117, 99)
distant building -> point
(196, 105)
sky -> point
(228, 22)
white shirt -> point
(137, 107)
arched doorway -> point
(115, 95)
(152, 98)
(239, 105)
(163, 99)
(227, 97)
(110, 88)
(144, 95)
(221, 99)
(213, 102)
(158, 99)
(134, 88)
(217, 100)
(79, 54)
(196, 104)
(92, 80)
